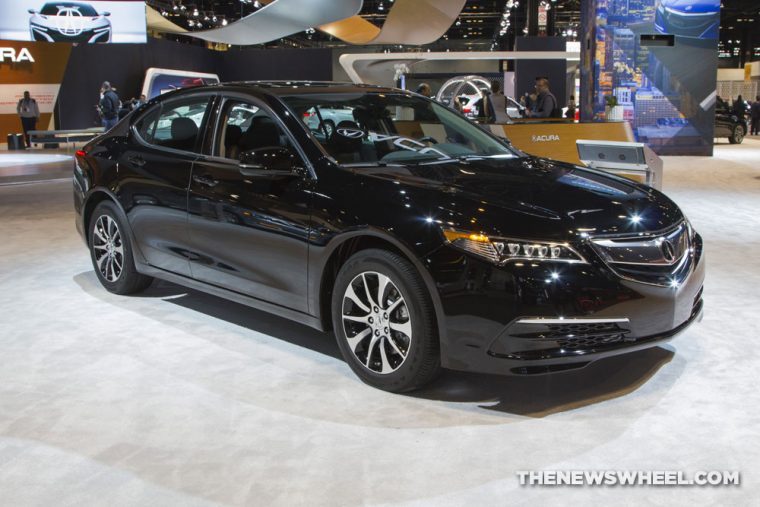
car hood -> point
(693, 6)
(525, 195)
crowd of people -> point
(111, 109)
(492, 107)
(743, 109)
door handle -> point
(205, 180)
(136, 161)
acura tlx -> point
(421, 240)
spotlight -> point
(224, 22)
(195, 12)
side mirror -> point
(268, 162)
(32, 11)
(106, 14)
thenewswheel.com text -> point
(627, 478)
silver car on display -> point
(69, 22)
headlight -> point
(503, 250)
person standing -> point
(754, 114)
(29, 113)
(571, 107)
(109, 106)
(740, 108)
(546, 102)
(496, 104)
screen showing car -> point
(73, 21)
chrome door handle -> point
(205, 180)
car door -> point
(723, 123)
(155, 174)
(249, 231)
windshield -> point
(68, 9)
(370, 127)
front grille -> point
(563, 330)
(590, 342)
(659, 259)
(578, 336)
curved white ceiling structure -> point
(412, 22)
(280, 19)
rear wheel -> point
(111, 252)
(384, 322)
(737, 135)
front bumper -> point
(546, 317)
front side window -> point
(178, 126)
(246, 127)
(372, 127)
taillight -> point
(80, 153)
(466, 110)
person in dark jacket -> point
(546, 102)
(29, 113)
(109, 106)
(740, 107)
(754, 114)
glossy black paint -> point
(276, 242)
(726, 121)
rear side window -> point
(146, 126)
(177, 125)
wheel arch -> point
(96, 196)
(343, 248)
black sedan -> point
(420, 239)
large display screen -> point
(82, 22)
(655, 66)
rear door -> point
(156, 169)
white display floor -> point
(179, 398)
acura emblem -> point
(668, 251)
(351, 133)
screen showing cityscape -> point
(665, 90)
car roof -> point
(293, 87)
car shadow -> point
(244, 316)
(542, 395)
(531, 396)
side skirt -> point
(237, 297)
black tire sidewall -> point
(424, 332)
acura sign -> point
(10, 55)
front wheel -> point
(111, 252)
(384, 322)
(737, 135)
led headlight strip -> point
(503, 250)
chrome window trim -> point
(571, 320)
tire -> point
(737, 135)
(396, 351)
(111, 251)
(329, 128)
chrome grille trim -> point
(617, 254)
(638, 251)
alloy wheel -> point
(376, 322)
(108, 248)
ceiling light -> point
(195, 12)
(224, 22)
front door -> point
(249, 232)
